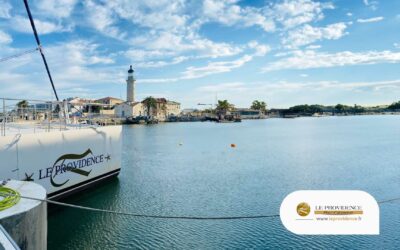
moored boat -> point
(62, 158)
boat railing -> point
(32, 116)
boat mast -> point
(40, 47)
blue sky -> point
(283, 52)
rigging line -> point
(40, 47)
(164, 216)
(18, 55)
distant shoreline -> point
(291, 117)
(286, 116)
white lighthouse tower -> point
(130, 87)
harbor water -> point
(190, 169)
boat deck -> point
(16, 128)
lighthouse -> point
(130, 86)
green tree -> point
(150, 103)
(224, 105)
(358, 109)
(22, 105)
(340, 108)
(305, 109)
(394, 106)
(259, 105)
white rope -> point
(170, 217)
(151, 216)
(165, 216)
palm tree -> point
(224, 106)
(22, 105)
(150, 103)
(259, 105)
(223, 109)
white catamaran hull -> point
(63, 162)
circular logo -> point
(303, 209)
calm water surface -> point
(204, 176)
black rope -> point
(18, 55)
(40, 47)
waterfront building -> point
(129, 109)
(162, 109)
(111, 101)
(77, 105)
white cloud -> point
(283, 54)
(139, 55)
(75, 64)
(101, 18)
(396, 45)
(186, 17)
(212, 67)
(349, 14)
(22, 24)
(370, 20)
(260, 49)
(226, 12)
(80, 64)
(288, 13)
(5, 8)
(303, 75)
(312, 59)
(5, 38)
(229, 13)
(77, 53)
(56, 8)
(311, 47)
(172, 44)
(203, 71)
(148, 58)
(308, 34)
(371, 4)
(170, 29)
(215, 67)
(157, 15)
(157, 64)
(218, 88)
(292, 13)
